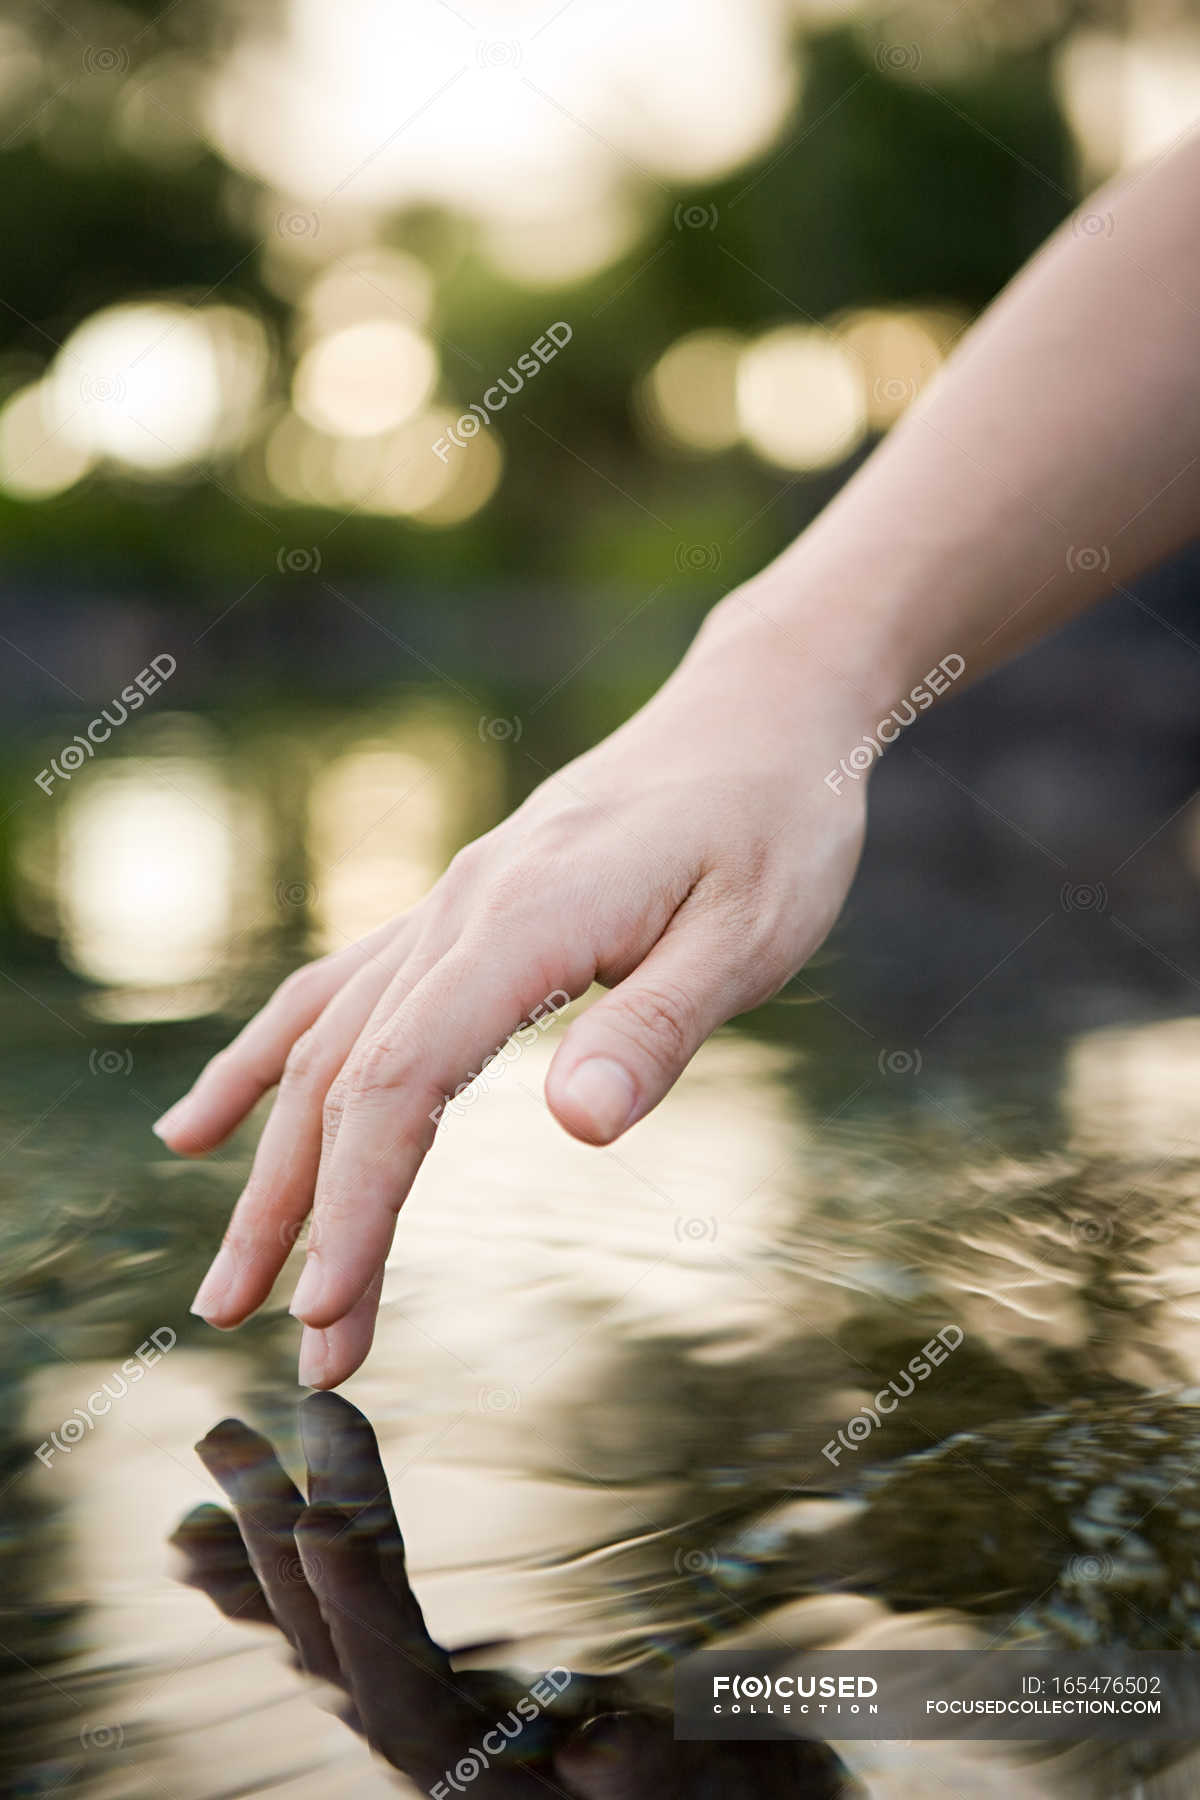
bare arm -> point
(1056, 456)
(695, 860)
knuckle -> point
(335, 1105)
(661, 1019)
(766, 935)
(754, 917)
(465, 864)
(382, 1068)
(304, 1061)
(224, 1063)
(299, 985)
(508, 890)
(558, 837)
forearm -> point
(1056, 456)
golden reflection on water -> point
(387, 813)
(162, 874)
(1135, 1090)
(598, 1374)
(603, 1381)
(146, 874)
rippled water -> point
(625, 1397)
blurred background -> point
(258, 267)
(261, 266)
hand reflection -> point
(330, 1575)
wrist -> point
(859, 632)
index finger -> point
(382, 1114)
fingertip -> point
(214, 1317)
(189, 1129)
(595, 1100)
(329, 1355)
(326, 1293)
(217, 1300)
(316, 1361)
(208, 1113)
(181, 1139)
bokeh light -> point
(298, 464)
(1129, 98)
(373, 283)
(898, 351)
(393, 474)
(690, 395)
(37, 458)
(387, 812)
(553, 248)
(425, 105)
(365, 378)
(801, 398)
(157, 385)
(156, 117)
(146, 865)
(400, 476)
(20, 69)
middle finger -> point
(278, 1196)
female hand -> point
(330, 1575)
(691, 863)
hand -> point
(692, 863)
(331, 1576)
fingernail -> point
(308, 1288)
(314, 1357)
(171, 1120)
(604, 1093)
(214, 1290)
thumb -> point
(620, 1058)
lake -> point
(627, 1399)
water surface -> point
(625, 1398)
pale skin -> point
(693, 861)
